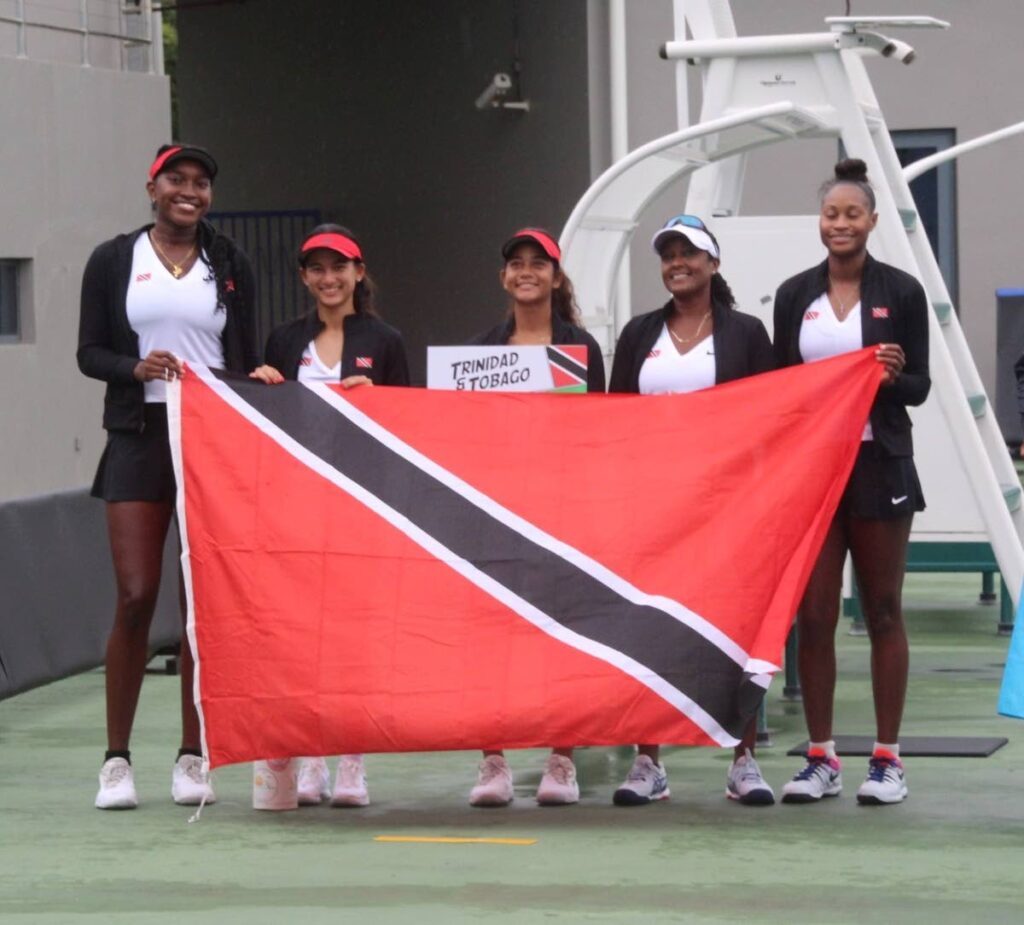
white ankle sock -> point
(829, 747)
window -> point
(10, 319)
(935, 195)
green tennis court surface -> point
(951, 853)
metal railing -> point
(149, 21)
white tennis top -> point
(666, 371)
(823, 335)
(179, 315)
(313, 369)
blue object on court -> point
(1011, 697)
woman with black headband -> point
(848, 302)
(341, 339)
(696, 340)
(543, 311)
(172, 290)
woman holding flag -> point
(696, 340)
(543, 311)
(171, 290)
(340, 339)
(845, 303)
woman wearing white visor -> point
(696, 340)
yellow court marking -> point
(442, 840)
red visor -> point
(547, 243)
(161, 160)
(334, 242)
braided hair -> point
(217, 252)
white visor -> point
(699, 239)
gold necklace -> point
(692, 337)
(843, 310)
(177, 269)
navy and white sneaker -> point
(745, 783)
(820, 777)
(886, 781)
(645, 783)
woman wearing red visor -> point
(340, 339)
(543, 311)
(175, 289)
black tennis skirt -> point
(882, 487)
(137, 467)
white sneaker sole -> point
(872, 799)
(754, 798)
(193, 799)
(117, 804)
(810, 797)
(557, 799)
(346, 800)
(626, 797)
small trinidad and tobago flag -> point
(143, 277)
(364, 362)
(880, 311)
(386, 569)
(810, 316)
(568, 364)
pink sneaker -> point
(493, 783)
(558, 786)
(350, 782)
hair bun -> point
(853, 168)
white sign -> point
(558, 368)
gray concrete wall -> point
(366, 111)
(75, 143)
(58, 590)
(968, 78)
(76, 146)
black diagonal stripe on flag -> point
(567, 364)
(678, 654)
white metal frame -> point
(820, 89)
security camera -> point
(498, 88)
(901, 51)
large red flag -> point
(401, 569)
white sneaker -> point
(314, 781)
(820, 777)
(745, 783)
(350, 782)
(493, 783)
(189, 785)
(645, 783)
(117, 786)
(558, 785)
(885, 783)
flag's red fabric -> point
(401, 569)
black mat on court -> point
(918, 746)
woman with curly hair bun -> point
(851, 301)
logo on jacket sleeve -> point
(364, 362)
(880, 311)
